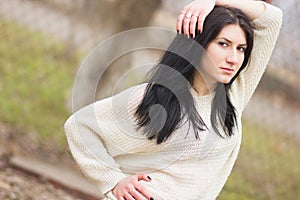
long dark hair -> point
(167, 100)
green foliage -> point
(35, 76)
(267, 167)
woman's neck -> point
(201, 86)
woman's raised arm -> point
(195, 13)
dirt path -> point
(17, 186)
(47, 173)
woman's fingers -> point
(201, 19)
(138, 195)
(142, 189)
(183, 21)
(193, 23)
(130, 188)
(179, 22)
(190, 24)
(192, 14)
(143, 177)
(186, 24)
(134, 193)
(129, 197)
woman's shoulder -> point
(129, 97)
(132, 92)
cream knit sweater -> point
(107, 146)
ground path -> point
(17, 185)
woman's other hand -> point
(130, 188)
(194, 15)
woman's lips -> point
(227, 70)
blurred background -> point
(43, 43)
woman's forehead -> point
(233, 33)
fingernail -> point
(149, 178)
(151, 198)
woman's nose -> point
(232, 58)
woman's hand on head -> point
(194, 15)
(130, 188)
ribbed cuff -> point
(109, 196)
(106, 186)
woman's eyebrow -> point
(229, 41)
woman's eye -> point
(223, 44)
(242, 49)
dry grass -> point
(267, 167)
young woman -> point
(178, 135)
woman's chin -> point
(225, 81)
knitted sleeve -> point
(88, 133)
(266, 30)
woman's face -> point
(225, 55)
